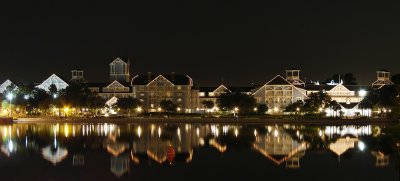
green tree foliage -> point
(315, 101)
(168, 106)
(396, 79)
(208, 104)
(335, 106)
(128, 104)
(75, 95)
(293, 107)
(348, 79)
(262, 108)
(229, 101)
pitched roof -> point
(348, 106)
(278, 80)
(176, 79)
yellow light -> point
(178, 109)
(66, 109)
(159, 109)
(236, 109)
(298, 109)
(320, 109)
(276, 109)
(139, 109)
(255, 109)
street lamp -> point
(235, 110)
(10, 97)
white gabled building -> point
(7, 83)
(278, 93)
(53, 79)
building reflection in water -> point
(283, 145)
(279, 147)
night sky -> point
(246, 42)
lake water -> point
(196, 152)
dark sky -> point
(246, 42)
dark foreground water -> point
(196, 152)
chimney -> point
(172, 76)
(149, 76)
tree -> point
(128, 104)
(40, 100)
(396, 79)
(335, 106)
(244, 102)
(294, 107)
(349, 79)
(208, 104)
(53, 89)
(168, 106)
(94, 103)
(262, 108)
(316, 101)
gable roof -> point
(176, 79)
(339, 87)
(348, 106)
(5, 84)
(58, 80)
(115, 83)
(278, 80)
(117, 60)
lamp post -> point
(10, 97)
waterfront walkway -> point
(213, 120)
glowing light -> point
(159, 132)
(297, 109)
(362, 93)
(66, 109)
(276, 133)
(178, 131)
(10, 146)
(55, 96)
(139, 109)
(255, 132)
(139, 131)
(236, 109)
(276, 109)
(236, 132)
(66, 131)
(361, 145)
(255, 109)
(26, 97)
(106, 115)
(197, 131)
(178, 109)
(159, 109)
(10, 96)
(320, 109)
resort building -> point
(118, 87)
(278, 93)
(151, 89)
(53, 80)
(119, 70)
(6, 84)
(213, 93)
(383, 78)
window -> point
(179, 87)
(201, 94)
(142, 94)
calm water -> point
(202, 152)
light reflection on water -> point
(136, 144)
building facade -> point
(151, 89)
(278, 93)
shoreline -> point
(375, 121)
